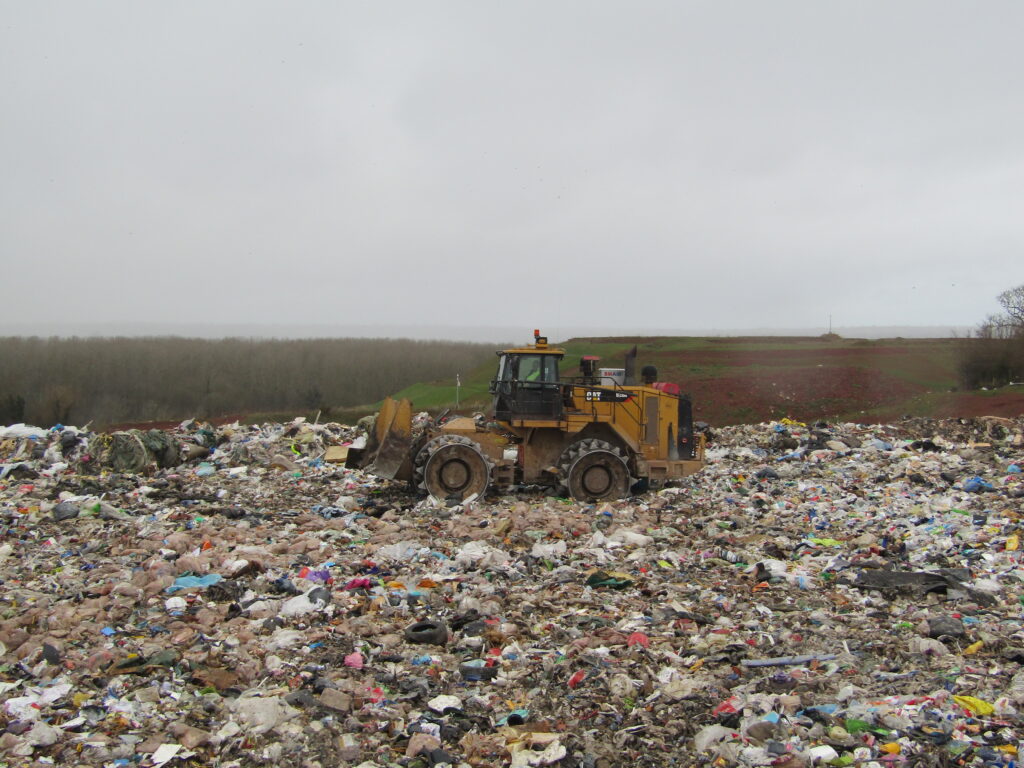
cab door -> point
(527, 387)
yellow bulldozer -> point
(596, 436)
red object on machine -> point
(667, 387)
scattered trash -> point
(821, 594)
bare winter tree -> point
(1012, 301)
(994, 356)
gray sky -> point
(538, 164)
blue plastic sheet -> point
(977, 485)
(188, 582)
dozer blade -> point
(387, 447)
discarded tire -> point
(427, 633)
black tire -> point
(452, 465)
(594, 470)
(427, 632)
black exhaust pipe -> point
(631, 367)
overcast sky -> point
(538, 164)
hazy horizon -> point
(505, 334)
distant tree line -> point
(994, 354)
(44, 381)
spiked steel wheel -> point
(595, 470)
(428, 450)
(452, 465)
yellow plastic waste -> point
(975, 706)
(973, 648)
(1013, 543)
(892, 748)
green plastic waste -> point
(611, 579)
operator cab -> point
(526, 384)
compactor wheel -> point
(452, 465)
(594, 470)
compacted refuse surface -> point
(822, 594)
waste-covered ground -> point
(833, 594)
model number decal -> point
(606, 396)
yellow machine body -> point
(591, 436)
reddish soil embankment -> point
(796, 393)
(748, 380)
(967, 404)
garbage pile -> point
(825, 594)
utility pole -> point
(458, 385)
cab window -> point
(533, 368)
(550, 368)
(538, 368)
(529, 368)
